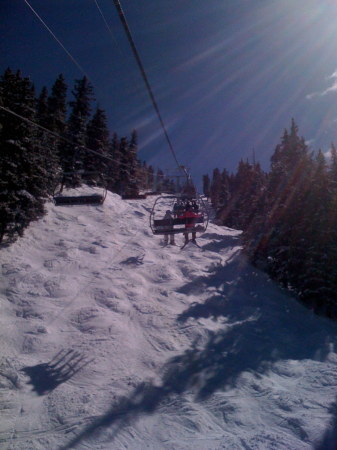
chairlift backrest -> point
(188, 214)
(85, 198)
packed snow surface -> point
(109, 340)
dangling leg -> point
(194, 240)
(186, 240)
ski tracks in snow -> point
(185, 349)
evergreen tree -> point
(114, 166)
(124, 179)
(225, 189)
(42, 108)
(150, 178)
(73, 157)
(97, 140)
(289, 218)
(49, 142)
(159, 179)
(315, 244)
(145, 177)
(288, 183)
(206, 185)
(240, 195)
(24, 180)
(216, 188)
(55, 121)
(133, 187)
(57, 106)
(142, 176)
(333, 167)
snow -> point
(111, 341)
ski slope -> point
(111, 341)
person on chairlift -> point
(188, 214)
(168, 216)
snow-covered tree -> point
(97, 140)
(73, 155)
(24, 181)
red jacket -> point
(189, 214)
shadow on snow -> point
(329, 441)
(46, 377)
(260, 325)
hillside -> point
(111, 341)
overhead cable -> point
(146, 80)
(105, 21)
(62, 138)
(57, 40)
(113, 38)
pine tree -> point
(288, 183)
(150, 178)
(216, 188)
(24, 180)
(97, 140)
(55, 121)
(240, 195)
(142, 175)
(289, 218)
(133, 187)
(124, 178)
(206, 185)
(317, 248)
(159, 179)
(57, 106)
(73, 157)
(333, 167)
(42, 107)
(114, 165)
(51, 162)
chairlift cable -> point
(58, 41)
(69, 141)
(114, 40)
(139, 62)
(147, 83)
(105, 22)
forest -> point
(47, 140)
(288, 216)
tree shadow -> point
(329, 441)
(219, 241)
(133, 260)
(260, 325)
(48, 376)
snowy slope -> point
(111, 341)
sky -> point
(228, 75)
(111, 341)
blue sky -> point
(228, 75)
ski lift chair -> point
(80, 199)
(177, 205)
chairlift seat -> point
(169, 226)
(134, 197)
(94, 199)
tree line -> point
(34, 159)
(288, 216)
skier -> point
(189, 214)
(169, 227)
(178, 208)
